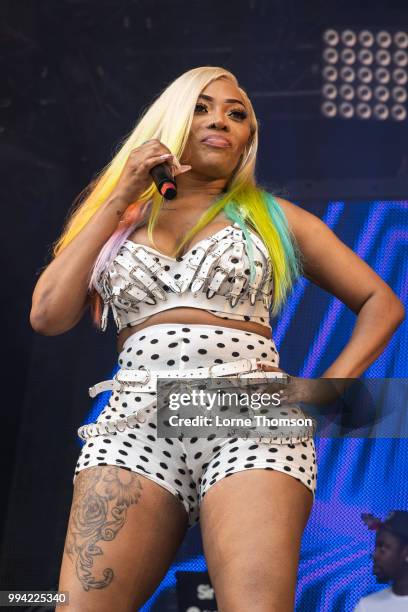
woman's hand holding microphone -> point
(136, 178)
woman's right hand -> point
(135, 177)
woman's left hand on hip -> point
(308, 390)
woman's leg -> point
(252, 523)
(123, 533)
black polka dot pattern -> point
(189, 467)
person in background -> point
(390, 563)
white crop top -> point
(213, 275)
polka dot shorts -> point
(188, 467)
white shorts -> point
(188, 467)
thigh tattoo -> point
(101, 498)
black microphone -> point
(164, 181)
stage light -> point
(382, 75)
(381, 112)
(383, 57)
(330, 91)
(329, 109)
(383, 39)
(346, 92)
(399, 94)
(348, 38)
(363, 68)
(366, 57)
(400, 76)
(366, 38)
(331, 37)
(401, 39)
(363, 110)
(348, 56)
(347, 74)
(346, 110)
(365, 74)
(382, 93)
(398, 112)
(330, 55)
(401, 58)
(330, 73)
(364, 92)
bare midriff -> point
(191, 316)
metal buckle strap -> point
(135, 380)
(102, 428)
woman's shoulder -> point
(298, 218)
(290, 209)
(292, 212)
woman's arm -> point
(334, 267)
(60, 296)
(61, 293)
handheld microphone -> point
(164, 181)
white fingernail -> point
(166, 155)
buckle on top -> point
(245, 371)
(235, 374)
(211, 375)
(148, 375)
(122, 383)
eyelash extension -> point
(241, 114)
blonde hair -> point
(169, 119)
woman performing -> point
(198, 295)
